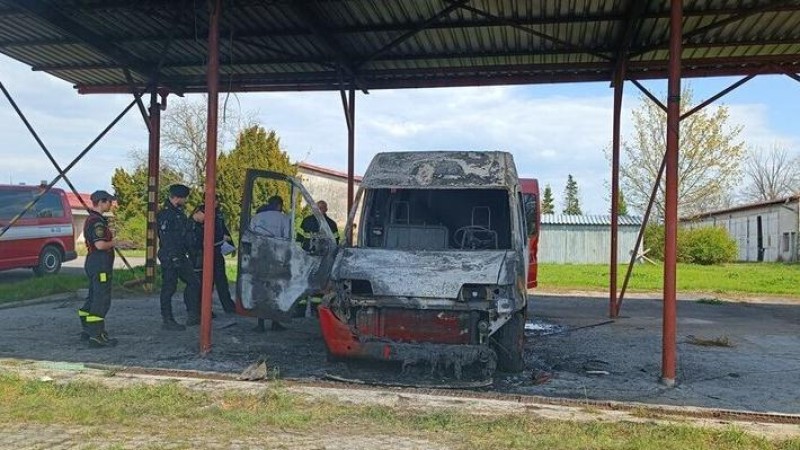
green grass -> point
(173, 413)
(736, 279)
(36, 287)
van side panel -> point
(48, 223)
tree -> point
(710, 151)
(771, 174)
(622, 206)
(130, 215)
(255, 148)
(183, 135)
(548, 206)
(571, 197)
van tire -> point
(509, 343)
(49, 261)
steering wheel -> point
(474, 237)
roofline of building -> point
(789, 199)
(326, 171)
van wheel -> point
(509, 343)
(49, 261)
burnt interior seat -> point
(416, 237)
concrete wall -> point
(779, 227)
(330, 188)
(583, 244)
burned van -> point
(435, 271)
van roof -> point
(441, 170)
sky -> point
(552, 130)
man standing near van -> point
(174, 234)
(98, 267)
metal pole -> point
(153, 173)
(639, 238)
(351, 147)
(67, 169)
(212, 76)
(619, 81)
(668, 356)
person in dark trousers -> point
(221, 235)
(175, 239)
(99, 266)
(310, 226)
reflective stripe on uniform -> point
(103, 277)
(92, 319)
(82, 313)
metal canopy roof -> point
(274, 45)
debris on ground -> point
(721, 341)
(540, 377)
(255, 372)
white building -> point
(329, 185)
(585, 239)
(766, 231)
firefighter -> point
(98, 267)
(221, 235)
(175, 239)
(310, 226)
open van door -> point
(274, 270)
(530, 203)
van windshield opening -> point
(437, 219)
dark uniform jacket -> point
(310, 226)
(174, 233)
(96, 229)
(220, 231)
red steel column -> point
(668, 355)
(153, 162)
(619, 80)
(212, 77)
(351, 148)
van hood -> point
(424, 274)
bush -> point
(705, 245)
(654, 241)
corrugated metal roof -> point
(588, 219)
(294, 45)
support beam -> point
(53, 161)
(633, 21)
(669, 332)
(649, 95)
(735, 16)
(51, 14)
(793, 75)
(212, 76)
(615, 150)
(409, 34)
(326, 39)
(153, 175)
(514, 24)
(721, 94)
(69, 167)
(351, 148)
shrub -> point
(706, 245)
(654, 240)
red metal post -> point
(619, 81)
(212, 77)
(351, 147)
(668, 356)
(153, 162)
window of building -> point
(786, 241)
